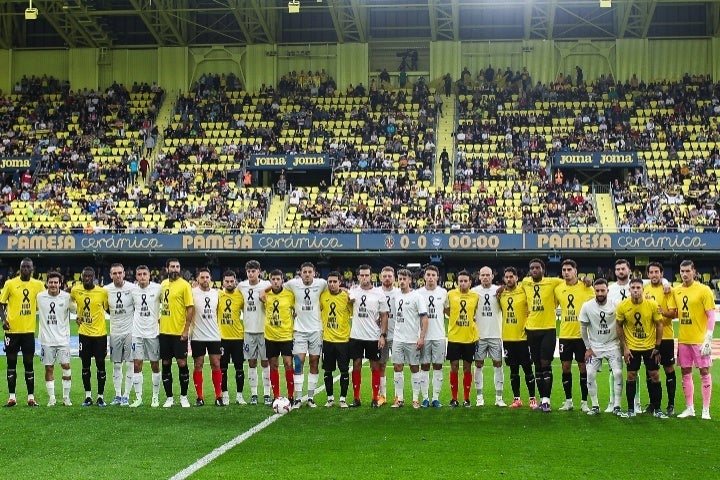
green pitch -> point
(489, 442)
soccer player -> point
(488, 318)
(411, 323)
(657, 291)
(513, 304)
(230, 304)
(307, 337)
(205, 337)
(92, 304)
(388, 288)
(694, 305)
(145, 332)
(461, 306)
(433, 351)
(54, 307)
(640, 332)
(254, 323)
(368, 332)
(335, 310)
(122, 311)
(599, 333)
(176, 314)
(571, 295)
(18, 308)
(279, 306)
(540, 327)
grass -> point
(318, 444)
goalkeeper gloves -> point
(706, 348)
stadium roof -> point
(122, 23)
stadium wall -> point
(176, 67)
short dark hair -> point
(512, 270)
(276, 273)
(636, 280)
(537, 260)
(171, 260)
(570, 262)
(229, 273)
(55, 275)
(600, 281)
(252, 265)
(335, 273)
(656, 265)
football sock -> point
(50, 385)
(670, 385)
(266, 379)
(101, 377)
(290, 380)
(239, 379)
(416, 384)
(611, 381)
(223, 379)
(539, 381)
(548, 381)
(655, 394)
(592, 385)
(630, 387)
(499, 379)
(198, 382)
(12, 380)
(706, 389)
(399, 383)
(117, 379)
(425, 384)
(138, 385)
(375, 376)
(454, 385)
(167, 380)
(515, 383)
(344, 383)
(312, 383)
(383, 385)
(156, 379)
(299, 381)
(437, 383)
(85, 374)
(356, 379)
(583, 386)
(275, 383)
(529, 380)
(66, 382)
(617, 386)
(567, 384)
(184, 377)
(328, 379)
(467, 382)
(479, 381)
(30, 381)
(253, 380)
(129, 373)
(217, 382)
(688, 389)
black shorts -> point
(542, 344)
(516, 353)
(20, 342)
(92, 347)
(364, 348)
(461, 351)
(667, 352)
(231, 350)
(276, 349)
(172, 347)
(336, 355)
(200, 347)
(572, 348)
(644, 356)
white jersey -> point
(54, 318)
(254, 309)
(435, 301)
(391, 300)
(617, 293)
(307, 304)
(488, 316)
(147, 311)
(410, 308)
(122, 308)
(600, 323)
(205, 326)
(367, 306)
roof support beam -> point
(75, 23)
(164, 24)
(349, 18)
(444, 20)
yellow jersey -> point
(461, 326)
(692, 302)
(91, 307)
(175, 297)
(662, 299)
(570, 298)
(541, 302)
(279, 314)
(638, 323)
(229, 307)
(513, 304)
(335, 313)
(21, 300)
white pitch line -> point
(200, 463)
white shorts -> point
(489, 347)
(146, 349)
(307, 342)
(255, 346)
(433, 352)
(121, 348)
(614, 359)
(406, 353)
(52, 354)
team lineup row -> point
(629, 321)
